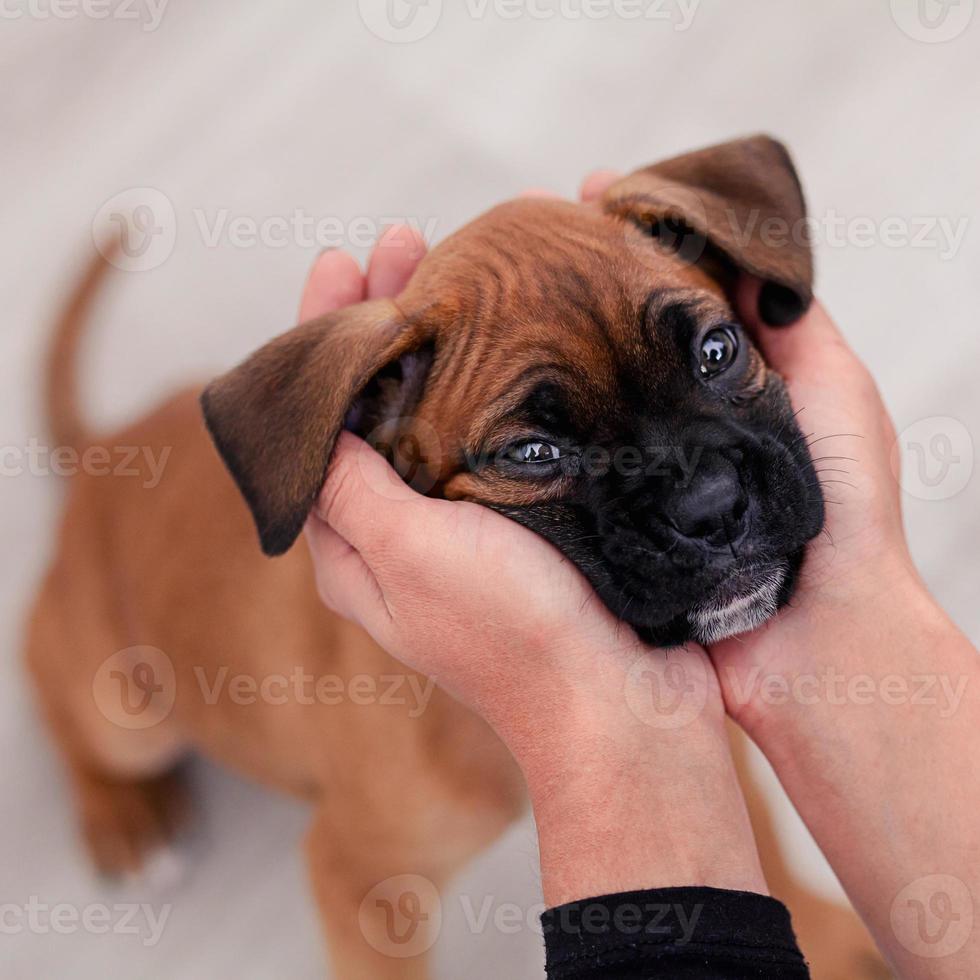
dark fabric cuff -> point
(725, 934)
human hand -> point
(485, 606)
(858, 576)
(509, 626)
(862, 693)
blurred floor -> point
(299, 108)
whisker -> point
(837, 435)
(585, 537)
(786, 422)
(802, 437)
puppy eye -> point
(533, 452)
(719, 348)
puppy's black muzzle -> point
(722, 498)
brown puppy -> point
(538, 333)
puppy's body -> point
(175, 567)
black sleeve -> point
(674, 934)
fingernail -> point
(780, 306)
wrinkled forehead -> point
(542, 294)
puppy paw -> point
(129, 825)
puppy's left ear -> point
(743, 199)
(275, 418)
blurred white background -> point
(328, 111)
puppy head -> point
(580, 369)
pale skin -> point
(886, 783)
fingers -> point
(540, 192)
(334, 282)
(366, 502)
(796, 349)
(343, 580)
(394, 259)
(593, 187)
(597, 183)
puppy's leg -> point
(130, 796)
(832, 937)
(378, 896)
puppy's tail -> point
(65, 423)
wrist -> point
(861, 666)
(620, 805)
(629, 835)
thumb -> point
(365, 501)
(799, 349)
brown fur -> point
(176, 567)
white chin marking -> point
(713, 621)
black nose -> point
(711, 503)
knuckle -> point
(338, 492)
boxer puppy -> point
(578, 367)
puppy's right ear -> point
(275, 417)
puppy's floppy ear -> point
(744, 199)
(275, 417)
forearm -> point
(657, 828)
(877, 743)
